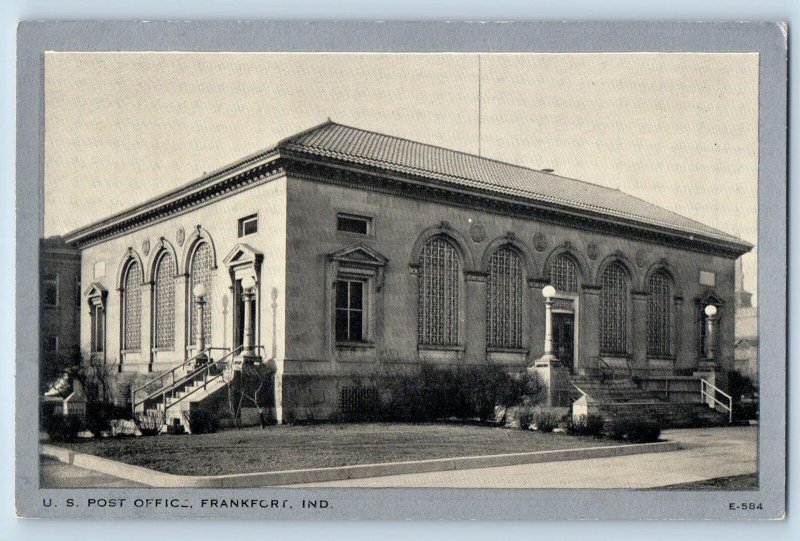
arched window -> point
(564, 274)
(132, 307)
(437, 307)
(659, 324)
(614, 310)
(504, 299)
(200, 271)
(164, 303)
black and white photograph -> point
(416, 270)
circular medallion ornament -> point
(539, 242)
(641, 258)
(477, 232)
(146, 247)
(180, 236)
(592, 251)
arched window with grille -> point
(564, 274)
(164, 302)
(504, 299)
(201, 272)
(132, 307)
(438, 293)
(659, 314)
(614, 310)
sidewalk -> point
(57, 474)
(705, 453)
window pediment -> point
(96, 293)
(359, 254)
(711, 297)
(243, 254)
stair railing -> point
(709, 391)
(170, 375)
(219, 366)
(602, 369)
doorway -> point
(564, 338)
(238, 315)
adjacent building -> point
(60, 301)
(341, 252)
(746, 329)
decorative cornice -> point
(211, 187)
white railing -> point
(708, 393)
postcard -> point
(542, 263)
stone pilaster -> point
(147, 325)
(588, 327)
(181, 317)
(536, 318)
(475, 325)
(638, 332)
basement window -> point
(350, 223)
(248, 225)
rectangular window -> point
(51, 344)
(248, 225)
(50, 290)
(350, 223)
(349, 311)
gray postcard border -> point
(768, 39)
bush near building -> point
(431, 393)
(585, 425)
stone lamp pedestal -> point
(548, 370)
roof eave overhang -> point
(728, 248)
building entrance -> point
(564, 338)
(239, 315)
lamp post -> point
(711, 323)
(548, 292)
(248, 294)
(546, 369)
(199, 292)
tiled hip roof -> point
(344, 143)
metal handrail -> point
(599, 368)
(160, 378)
(205, 368)
(704, 393)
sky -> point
(679, 130)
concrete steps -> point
(622, 398)
(179, 402)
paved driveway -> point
(707, 453)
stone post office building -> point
(341, 250)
